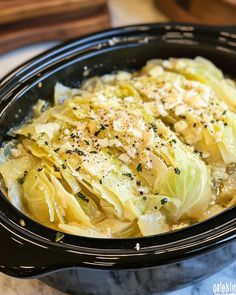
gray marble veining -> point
(12, 286)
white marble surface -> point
(12, 286)
(123, 12)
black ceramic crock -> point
(81, 265)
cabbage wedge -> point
(128, 154)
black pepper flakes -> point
(69, 152)
(21, 180)
(97, 132)
(177, 171)
(56, 169)
(42, 134)
(72, 136)
(154, 127)
(63, 166)
(102, 127)
(164, 201)
(127, 174)
(79, 152)
(82, 197)
(139, 167)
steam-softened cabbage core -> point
(128, 155)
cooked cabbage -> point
(128, 155)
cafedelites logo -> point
(224, 288)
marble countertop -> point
(12, 286)
(123, 12)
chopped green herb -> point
(100, 181)
(29, 135)
(177, 171)
(139, 167)
(128, 174)
(69, 152)
(164, 201)
(74, 136)
(46, 142)
(56, 150)
(93, 152)
(59, 237)
(78, 169)
(138, 182)
(40, 169)
(82, 197)
(154, 127)
(21, 180)
(102, 127)
(79, 152)
(86, 141)
(224, 112)
(173, 140)
(63, 166)
(144, 198)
